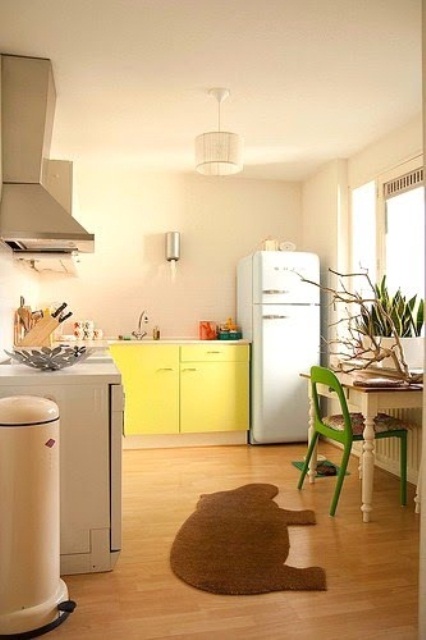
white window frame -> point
(380, 181)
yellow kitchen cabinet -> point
(214, 388)
(150, 375)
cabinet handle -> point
(165, 369)
(189, 369)
(216, 352)
(272, 317)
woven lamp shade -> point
(218, 153)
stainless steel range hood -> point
(36, 193)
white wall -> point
(384, 154)
(15, 281)
(325, 201)
(219, 219)
(325, 194)
(324, 206)
(324, 229)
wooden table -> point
(369, 401)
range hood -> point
(36, 192)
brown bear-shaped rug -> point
(236, 543)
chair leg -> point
(340, 478)
(403, 471)
(311, 448)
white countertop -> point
(178, 341)
(104, 343)
(84, 372)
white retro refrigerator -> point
(280, 314)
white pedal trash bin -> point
(33, 597)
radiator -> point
(387, 450)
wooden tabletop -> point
(366, 382)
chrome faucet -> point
(139, 334)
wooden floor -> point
(372, 569)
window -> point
(363, 233)
(404, 247)
(388, 230)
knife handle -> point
(65, 317)
(59, 310)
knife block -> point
(40, 334)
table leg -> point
(368, 457)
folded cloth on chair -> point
(382, 422)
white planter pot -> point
(413, 348)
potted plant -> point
(390, 315)
(377, 330)
(390, 328)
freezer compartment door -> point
(286, 343)
(277, 277)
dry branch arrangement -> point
(366, 320)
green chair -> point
(347, 428)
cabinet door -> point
(150, 376)
(214, 396)
(84, 434)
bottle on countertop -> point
(156, 333)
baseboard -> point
(185, 440)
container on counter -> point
(229, 335)
(229, 331)
(156, 333)
(207, 330)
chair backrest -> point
(322, 375)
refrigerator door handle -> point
(275, 291)
(274, 317)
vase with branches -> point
(368, 319)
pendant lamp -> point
(218, 153)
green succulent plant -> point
(390, 315)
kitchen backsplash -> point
(15, 281)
